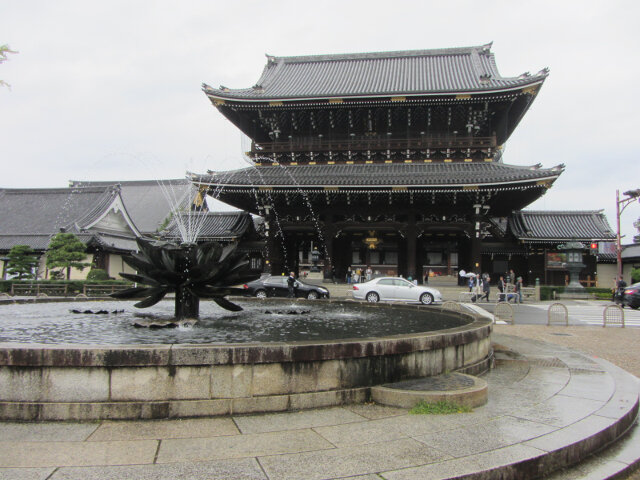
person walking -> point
(291, 285)
(486, 288)
(517, 289)
(501, 288)
(349, 275)
(369, 273)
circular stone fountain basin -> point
(317, 365)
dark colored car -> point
(276, 286)
(632, 295)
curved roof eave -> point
(551, 178)
(216, 94)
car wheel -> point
(426, 299)
(261, 294)
(312, 295)
(373, 297)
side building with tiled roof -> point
(539, 233)
(394, 160)
(96, 215)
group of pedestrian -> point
(509, 288)
(358, 275)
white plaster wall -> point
(117, 265)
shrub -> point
(97, 274)
(635, 275)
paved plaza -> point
(544, 398)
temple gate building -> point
(392, 160)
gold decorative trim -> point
(427, 160)
(488, 159)
(265, 189)
(275, 104)
(388, 161)
(398, 189)
(331, 162)
(218, 101)
(336, 100)
(331, 189)
(531, 90)
(470, 187)
(293, 163)
(398, 99)
(448, 160)
(312, 163)
(464, 96)
(368, 161)
(468, 159)
(408, 161)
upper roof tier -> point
(415, 72)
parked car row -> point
(276, 286)
(379, 289)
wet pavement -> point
(547, 404)
(554, 395)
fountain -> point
(191, 271)
(254, 357)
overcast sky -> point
(112, 90)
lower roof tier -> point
(446, 175)
(440, 187)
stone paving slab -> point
(240, 469)
(275, 422)
(26, 473)
(486, 436)
(560, 411)
(46, 431)
(343, 462)
(501, 459)
(240, 446)
(51, 454)
(159, 429)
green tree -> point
(4, 50)
(635, 275)
(21, 262)
(66, 251)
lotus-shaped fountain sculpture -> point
(192, 271)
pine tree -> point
(66, 251)
(4, 50)
(21, 262)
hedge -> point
(546, 292)
(75, 286)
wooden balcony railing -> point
(377, 143)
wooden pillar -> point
(411, 235)
(476, 239)
(276, 260)
(328, 232)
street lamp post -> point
(630, 196)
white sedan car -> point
(395, 289)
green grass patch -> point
(439, 408)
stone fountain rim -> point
(105, 355)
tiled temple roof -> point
(553, 226)
(31, 216)
(46, 210)
(148, 202)
(213, 226)
(378, 175)
(414, 72)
